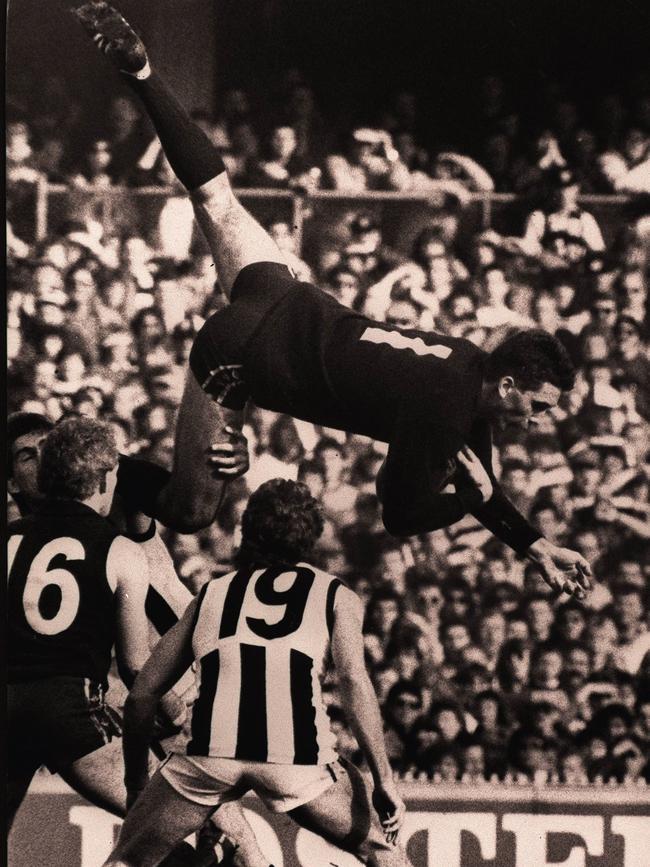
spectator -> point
(561, 234)
(491, 630)
(402, 711)
(628, 170)
(634, 637)
(370, 162)
(338, 496)
(282, 168)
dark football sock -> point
(191, 154)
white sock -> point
(141, 74)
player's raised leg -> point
(343, 815)
(236, 239)
(189, 501)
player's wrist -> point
(538, 549)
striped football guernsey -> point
(261, 640)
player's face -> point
(25, 456)
(523, 407)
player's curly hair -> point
(75, 457)
(531, 358)
(281, 524)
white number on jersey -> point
(41, 576)
(401, 341)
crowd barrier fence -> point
(43, 207)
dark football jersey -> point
(418, 391)
(60, 606)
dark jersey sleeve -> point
(416, 469)
(498, 515)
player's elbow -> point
(398, 523)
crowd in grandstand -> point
(480, 670)
(287, 142)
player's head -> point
(26, 432)
(281, 524)
(525, 376)
(79, 462)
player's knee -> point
(192, 517)
(377, 852)
(215, 193)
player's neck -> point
(487, 400)
(98, 502)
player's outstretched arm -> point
(128, 575)
(564, 570)
(362, 709)
(171, 657)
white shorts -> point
(211, 781)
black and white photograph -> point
(328, 415)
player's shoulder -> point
(338, 589)
(126, 561)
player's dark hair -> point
(19, 424)
(532, 358)
(281, 524)
(75, 458)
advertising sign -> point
(447, 825)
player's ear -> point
(12, 487)
(506, 385)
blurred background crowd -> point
(480, 670)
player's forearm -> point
(500, 517)
(438, 511)
(361, 708)
(139, 717)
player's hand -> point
(229, 457)
(476, 472)
(565, 571)
(390, 809)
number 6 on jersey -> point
(42, 578)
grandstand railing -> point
(402, 213)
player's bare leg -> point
(230, 819)
(159, 820)
(98, 777)
(343, 815)
(190, 500)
